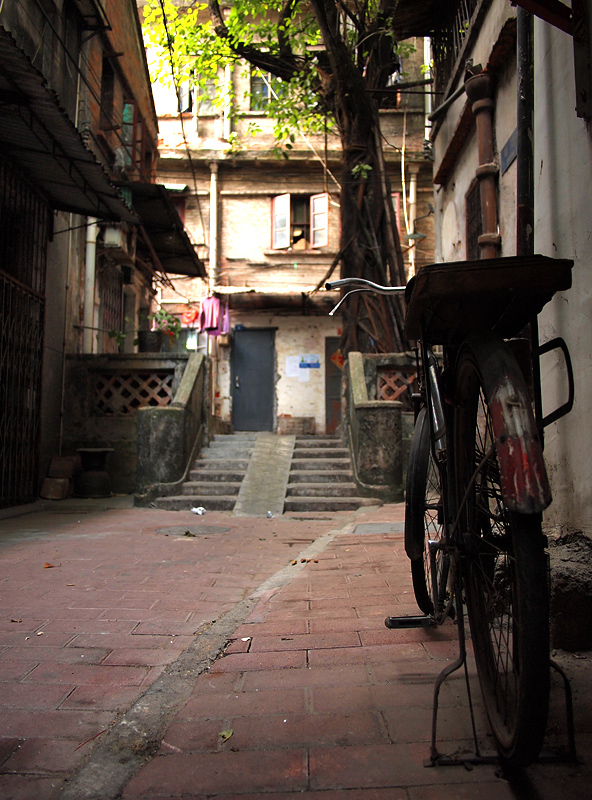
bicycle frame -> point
(477, 485)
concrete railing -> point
(376, 431)
(151, 410)
(170, 437)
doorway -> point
(252, 376)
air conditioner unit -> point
(115, 236)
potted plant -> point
(162, 324)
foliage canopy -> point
(331, 59)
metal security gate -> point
(24, 221)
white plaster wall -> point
(295, 336)
(505, 125)
(563, 183)
(450, 198)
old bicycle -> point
(476, 481)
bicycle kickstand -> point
(436, 758)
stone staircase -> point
(217, 475)
(320, 476)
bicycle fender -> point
(524, 481)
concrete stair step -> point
(323, 464)
(329, 503)
(321, 452)
(320, 476)
(322, 490)
(220, 464)
(321, 444)
(210, 488)
(186, 502)
(206, 473)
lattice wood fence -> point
(397, 384)
(122, 392)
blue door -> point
(253, 386)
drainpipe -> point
(213, 271)
(413, 171)
(525, 136)
(479, 90)
(427, 57)
(92, 230)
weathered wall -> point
(84, 426)
(451, 232)
(562, 170)
(563, 173)
(295, 336)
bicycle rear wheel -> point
(505, 578)
(423, 521)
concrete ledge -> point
(375, 436)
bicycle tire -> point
(505, 576)
(423, 519)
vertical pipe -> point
(525, 135)
(213, 268)
(427, 58)
(479, 90)
(92, 230)
(413, 170)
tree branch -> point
(285, 67)
(283, 41)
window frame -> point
(282, 222)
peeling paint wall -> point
(563, 176)
(301, 396)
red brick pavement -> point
(96, 605)
(322, 701)
(313, 697)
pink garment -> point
(209, 315)
(224, 323)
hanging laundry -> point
(209, 315)
(224, 322)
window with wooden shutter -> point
(319, 219)
(280, 236)
(300, 222)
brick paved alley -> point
(147, 654)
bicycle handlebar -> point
(366, 286)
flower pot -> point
(150, 341)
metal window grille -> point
(110, 282)
(24, 221)
(448, 40)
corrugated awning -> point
(161, 223)
(38, 134)
(424, 17)
(417, 17)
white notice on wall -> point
(292, 366)
(303, 375)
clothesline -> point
(212, 317)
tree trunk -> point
(369, 234)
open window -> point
(264, 86)
(300, 222)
